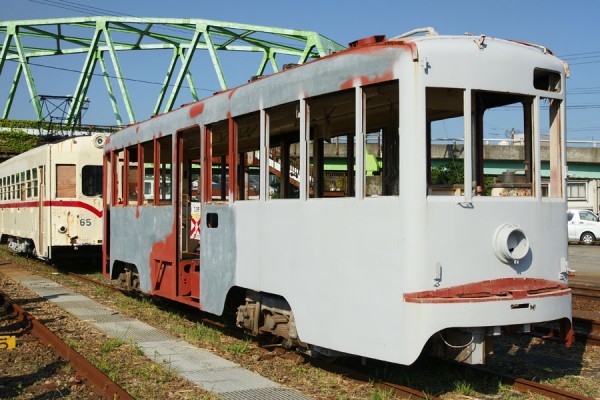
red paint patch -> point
(231, 92)
(163, 265)
(496, 290)
(137, 129)
(137, 212)
(196, 110)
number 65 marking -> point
(85, 222)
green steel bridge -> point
(93, 38)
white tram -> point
(383, 257)
(51, 199)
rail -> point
(102, 385)
(366, 375)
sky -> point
(569, 29)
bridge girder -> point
(27, 40)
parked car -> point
(583, 226)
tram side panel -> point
(141, 238)
(20, 179)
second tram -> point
(51, 199)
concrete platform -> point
(214, 374)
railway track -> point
(388, 386)
(526, 386)
(102, 385)
(585, 290)
(400, 391)
(586, 319)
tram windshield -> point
(91, 180)
(498, 144)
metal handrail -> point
(512, 142)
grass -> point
(238, 347)
(463, 387)
(379, 394)
(111, 344)
(200, 333)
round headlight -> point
(510, 243)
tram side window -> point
(35, 182)
(284, 152)
(17, 186)
(382, 147)
(118, 165)
(165, 169)
(91, 180)
(248, 163)
(28, 178)
(332, 145)
(508, 118)
(148, 160)
(550, 123)
(132, 175)
(219, 162)
(445, 141)
(22, 187)
(65, 181)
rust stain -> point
(230, 94)
(412, 47)
(196, 110)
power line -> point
(73, 6)
(110, 76)
(578, 54)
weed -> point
(379, 394)
(463, 387)
(203, 333)
(110, 345)
(135, 348)
(238, 347)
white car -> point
(583, 226)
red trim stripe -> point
(55, 203)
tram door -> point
(188, 211)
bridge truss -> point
(93, 38)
